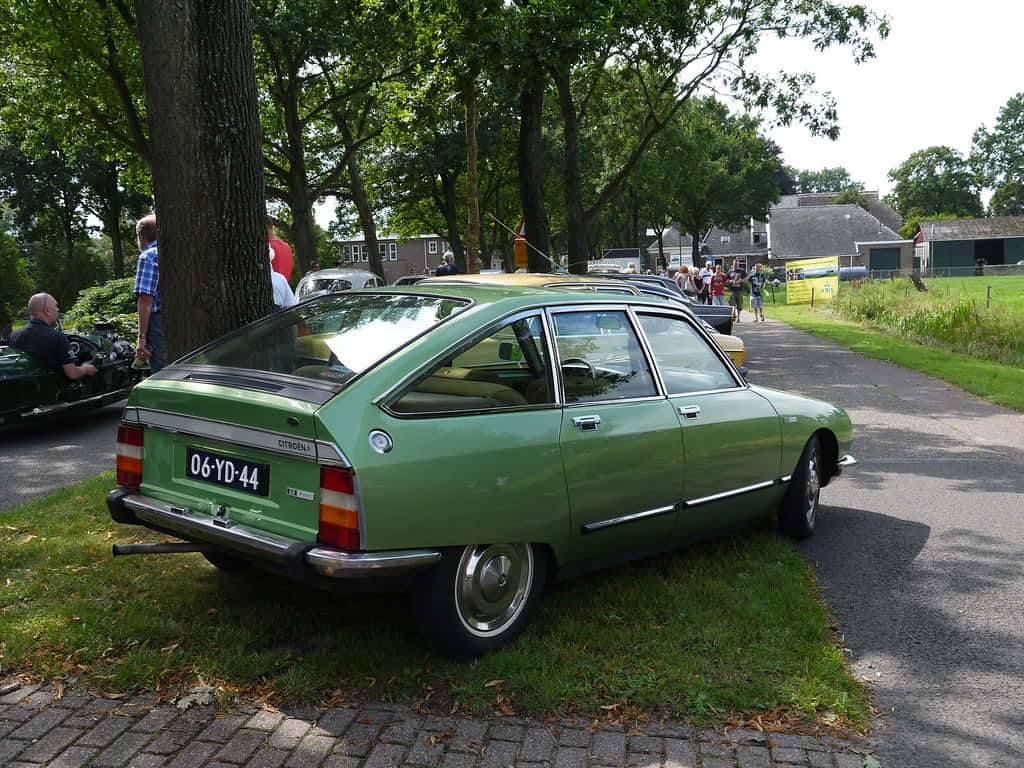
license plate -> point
(247, 476)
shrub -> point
(955, 323)
(111, 302)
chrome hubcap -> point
(492, 585)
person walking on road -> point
(718, 283)
(736, 277)
(757, 282)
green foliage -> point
(826, 180)
(851, 197)
(15, 286)
(955, 322)
(997, 156)
(63, 272)
(935, 180)
(709, 168)
(909, 228)
(733, 624)
(112, 301)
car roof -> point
(529, 279)
(333, 273)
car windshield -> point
(332, 338)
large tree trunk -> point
(361, 201)
(197, 63)
(472, 181)
(576, 222)
(531, 175)
(113, 208)
(450, 211)
(300, 199)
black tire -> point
(799, 511)
(227, 563)
(479, 598)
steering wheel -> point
(591, 371)
(80, 349)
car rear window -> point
(330, 339)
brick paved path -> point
(79, 731)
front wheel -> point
(479, 598)
(799, 511)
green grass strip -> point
(731, 625)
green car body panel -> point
(544, 456)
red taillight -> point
(129, 456)
(339, 508)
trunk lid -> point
(238, 455)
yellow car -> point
(731, 345)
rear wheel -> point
(799, 511)
(479, 598)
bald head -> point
(37, 304)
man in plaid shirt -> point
(147, 290)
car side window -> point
(507, 368)
(600, 357)
(686, 360)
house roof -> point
(875, 206)
(973, 229)
(825, 230)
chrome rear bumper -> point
(262, 547)
(845, 461)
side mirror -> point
(743, 372)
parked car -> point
(719, 318)
(410, 279)
(469, 443)
(31, 390)
(733, 345)
(334, 280)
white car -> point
(335, 280)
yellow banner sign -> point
(809, 280)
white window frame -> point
(392, 251)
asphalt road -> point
(39, 458)
(919, 550)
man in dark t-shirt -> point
(44, 342)
(736, 277)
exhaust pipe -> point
(159, 549)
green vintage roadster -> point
(467, 443)
(31, 390)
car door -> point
(620, 440)
(732, 441)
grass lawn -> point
(995, 382)
(728, 629)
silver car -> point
(334, 280)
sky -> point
(944, 70)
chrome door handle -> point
(586, 423)
(689, 412)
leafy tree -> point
(207, 167)
(826, 180)
(665, 52)
(851, 197)
(15, 286)
(909, 228)
(327, 67)
(933, 181)
(997, 156)
(725, 170)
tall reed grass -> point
(954, 323)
